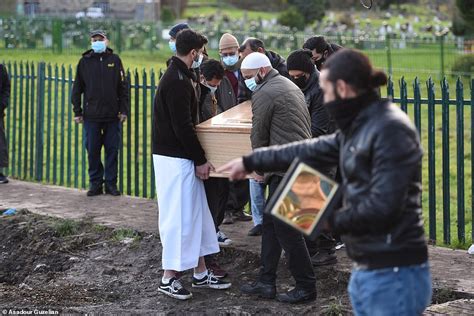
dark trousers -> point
(217, 193)
(323, 243)
(3, 144)
(98, 134)
(239, 195)
(276, 235)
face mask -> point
(300, 82)
(98, 47)
(213, 89)
(197, 63)
(252, 82)
(172, 46)
(230, 60)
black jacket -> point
(175, 113)
(4, 90)
(101, 78)
(380, 160)
(321, 123)
(278, 63)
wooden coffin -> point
(227, 135)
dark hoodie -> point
(101, 78)
(278, 63)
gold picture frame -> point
(304, 199)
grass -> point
(67, 227)
(420, 62)
(121, 234)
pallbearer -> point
(186, 226)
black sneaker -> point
(296, 296)
(323, 258)
(256, 230)
(175, 289)
(95, 190)
(112, 190)
(211, 282)
(3, 178)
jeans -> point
(98, 134)
(257, 201)
(277, 235)
(391, 291)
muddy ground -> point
(80, 267)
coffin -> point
(226, 136)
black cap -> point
(98, 33)
(300, 60)
(177, 28)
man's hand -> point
(258, 177)
(122, 117)
(202, 171)
(78, 119)
(235, 168)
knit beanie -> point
(228, 41)
(300, 60)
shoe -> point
(112, 190)
(211, 282)
(323, 258)
(241, 216)
(223, 240)
(259, 289)
(3, 178)
(256, 230)
(175, 289)
(95, 190)
(340, 245)
(297, 296)
(228, 219)
(215, 268)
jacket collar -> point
(90, 53)
(271, 74)
(313, 79)
(183, 68)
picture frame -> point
(305, 199)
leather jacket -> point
(380, 158)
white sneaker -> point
(223, 240)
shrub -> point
(464, 65)
(292, 18)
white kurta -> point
(187, 229)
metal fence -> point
(46, 146)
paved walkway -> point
(452, 269)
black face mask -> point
(319, 63)
(300, 82)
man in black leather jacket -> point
(380, 156)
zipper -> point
(102, 75)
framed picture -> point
(304, 199)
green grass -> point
(66, 227)
(231, 12)
(121, 234)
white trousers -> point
(187, 229)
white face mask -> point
(213, 89)
(197, 63)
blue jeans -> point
(391, 291)
(257, 201)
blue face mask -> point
(252, 83)
(172, 46)
(230, 60)
(98, 46)
(197, 63)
